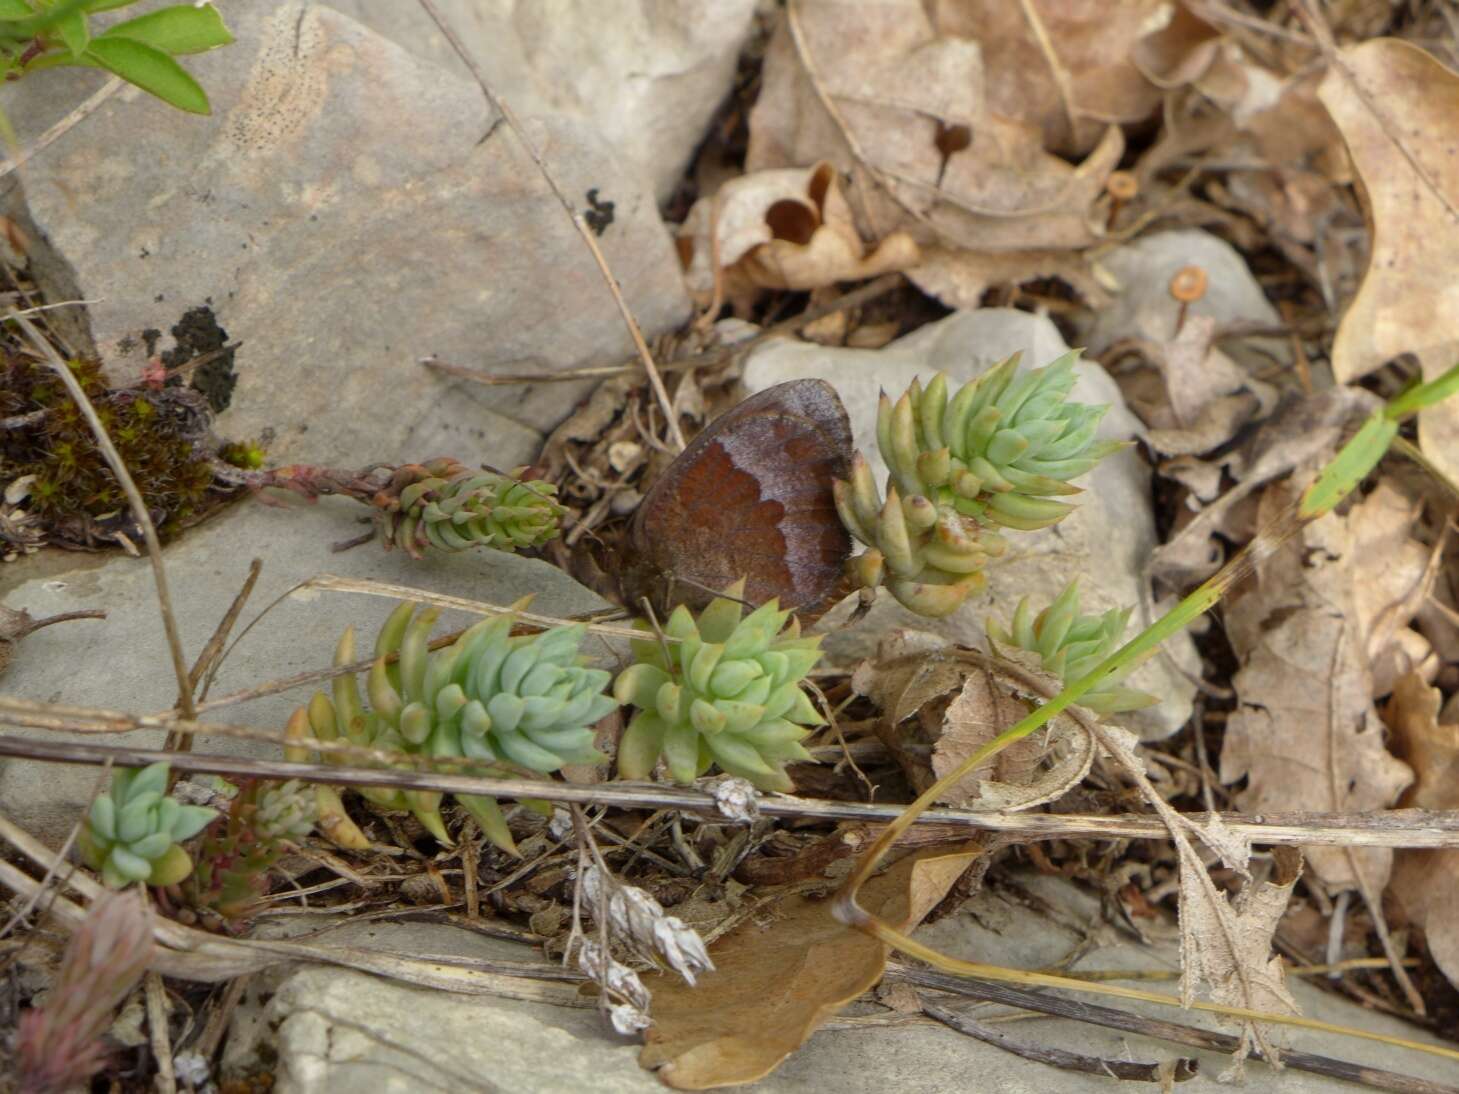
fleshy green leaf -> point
(151, 70)
(176, 30)
(11, 10)
(74, 32)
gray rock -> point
(340, 1032)
(1144, 308)
(122, 663)
(1105, 542)
(648, 75)
(347, 209)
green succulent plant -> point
(134, 830)
(490, 696)
(1070, 646)
(727, 692)
(449, 506)
(998, 453)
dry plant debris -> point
(774, 984)
(1395, 105)
(994, 153)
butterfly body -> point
(749, 497)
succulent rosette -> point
(998, 453)
(134, 831)
(449, 506)
(490, 696)
(723, 690)
(1071, 646)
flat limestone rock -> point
(122, 663)
(1105, 542)
(332, 1031)
(347, 209)
(649, 76)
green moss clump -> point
(74, 488)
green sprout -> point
(39, 34)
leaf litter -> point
(981, 148)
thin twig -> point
(1394, 828)
(1111, 1018)
(156, 995)
(500, 105)
(55, 132)
(134, 498)
(1177, 1070)
(182, 742)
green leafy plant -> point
(491, 696)
(40, 34)
(999, 453)
(235, 857)
(1069, 645)
(727, 692)
(134, 831)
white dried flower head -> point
(628, 1019)
(560, 826)
(612, 975)
(681, 947)
(192, 1068)
(736, 798)
(639, 922)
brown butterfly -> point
(749, 497)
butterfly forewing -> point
(751, 497)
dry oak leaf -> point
(775, 983)
(1305, 734)
(1398, 110)
(959, 278)
(878, 89)
(782, 229)
(1426, 883)
(1087, 63)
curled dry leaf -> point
(897, 101)
(1236, 959)
(1426, 883)
(1305, 734)
(774, 985)
(1396, 107)
(781, 229)
(939, 706)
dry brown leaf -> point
(775, 983)
(939, 707)
(1302, 432)
(783, 229)
(1305, 734)
(1236, 958)
(1426, 883)
(1101, 62)
(1398, 110)
(960, 278)
(897, 102)
(1224, 943)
